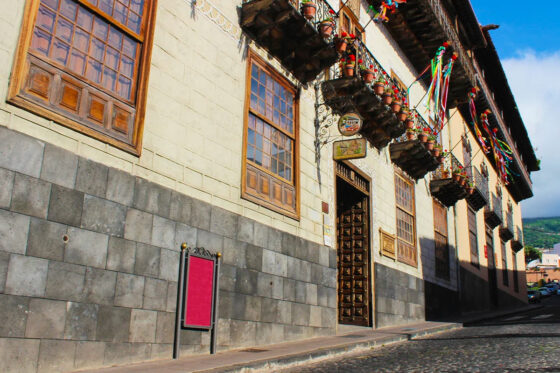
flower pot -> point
(387, 99)
(463, 181)
(367, 76)
(423, 137)
(445, 174)
(402, 116)
(379, 88)
(436, 152)
(429, 145)
(409, 123)
(470, 190)
(341, 45)
(457, 178)
(326, 29)
(410, 135)
(309, 10)
(349, 70)
(396, 106)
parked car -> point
(553, 287)
(545, 292)
(534, 296)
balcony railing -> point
(507, 230)
(517, 242)
(479, 197)
(493, 212)
(447, 187)
(289, 33)
(351, 88)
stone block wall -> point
(399, 297)
(89, 264)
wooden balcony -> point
(517, 242)
(345, 94)
(479, 198)
(493, 212)
(413, 158)
(280, 27)
(443, 186)
(507, 229)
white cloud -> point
(535, 81)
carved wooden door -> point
(353, 257)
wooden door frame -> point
(371, 260)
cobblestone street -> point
(526, 342)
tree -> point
(531, 254)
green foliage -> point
(541, 283)
(541, 232)
(531, 253)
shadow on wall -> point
(446, 303)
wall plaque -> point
(349, 124)
(349, 149)
(387, 244)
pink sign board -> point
(198, 293)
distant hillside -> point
(541, 232)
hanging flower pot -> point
(340, 45)
(387, 98)
(379, 88)
(410, 134)
(402, 116)
(429, 145)
(470, 190)
(423, 137)
(444, 173)
(409, 123)
(367, 75)
(349, 69)
(309, 9)
(463, 181)
(396, 106)
(326, 29)
(436, 152)
(457, 177)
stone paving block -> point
(92, 177)
(151, 197)
(270, 286)
(246, 281)
(245, 229)
(46, 319)
(274, 263)
(261, 235)
(300, 314)
(121, 255)
(243, 333)
(289, 244)
(180, 208)
(89, 354)
(274, 240)
(66, 206)
(143, 326)
(184, 234)
(253, 257)
(210, 241)
(30, 196)
(171, 296)
(14, 229)
(234, 253)
(129, 291)
(18, 355)
(27, 276)
(165, 329)
(81, 321)
(4, 261)
(169, 265)
(138, 226)
(289, 290)
(65, 281)
(155, 294)
(113, 324)
(163, 233)
(59, 166)
(20, 153)
(86, 248)
(228, 277)
(99, 286)
(46, 239)
(200, 214)
(56, 356)
(6, 187)
(13, 315)
(120, 187)
(103, 216)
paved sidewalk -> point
(273, 357)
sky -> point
(528, 43)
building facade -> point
(130, 127)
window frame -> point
(21, 65)
(412, 213)
(354, 23)
(253, 57)
(473, 237)
(505, 274)
(447, 269)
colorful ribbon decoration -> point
(439, 86)
(502, 152)
(472, 109)
(391, 5)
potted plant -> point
(410, 134)
(470, 187)
(349, 65)
(308, 9)
(404, 114)
(437, 150)
(326, 26)
(464, 178)
(457, 174)
(342, 41)
(410, 121)
(397, 101)
(366, 72)
(431, 139)
(388, 96)
(445, 173)
(422, 134)
(379, 85)
(442, 156)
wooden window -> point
(473, 238)
(515, 273)
(270, 143)
(406, 222)
(84, 64)
(441, 241)
(349, 22)
(504, 264)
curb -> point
(325, 353)
(487, 317)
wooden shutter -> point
(441, 241)
(406, 222)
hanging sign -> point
(349, 149)
(349, 124)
